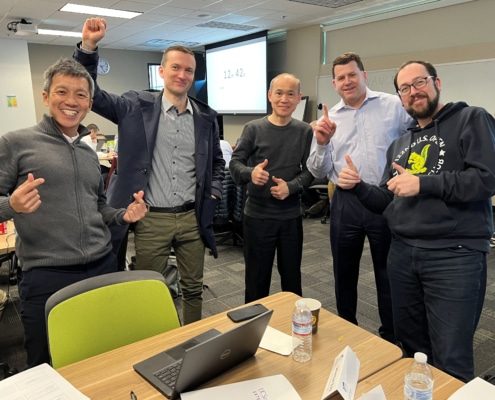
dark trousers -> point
(36, 286)
(437, 298)
(350, 224)
(262, 237)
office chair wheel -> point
(323, 220)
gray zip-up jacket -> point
(70, 226)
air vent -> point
(327, 3)
(167, 43)
(225, 25)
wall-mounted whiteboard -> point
(472, 82)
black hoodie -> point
(454, 157)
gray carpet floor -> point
(224, 278)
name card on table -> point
(343, 379)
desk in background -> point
(110, 375)
(7, 251)
(7, 240)
(392, 380)
(105, 157)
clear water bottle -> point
(302, 331)
(418, 382)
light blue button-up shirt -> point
(364, 134)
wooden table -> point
(110, 375)
(7, 240)
(392, 380)
(106, 157)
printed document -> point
(39, 383)
(275, 387)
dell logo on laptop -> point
(225, 354)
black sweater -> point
(286, 148)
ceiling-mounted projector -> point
(25, 29)
(22, 28)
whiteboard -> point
(472, 82)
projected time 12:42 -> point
(238, 73)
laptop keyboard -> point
(168, 375)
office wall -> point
(463, 32)
(128, 70)
(304, 49)
(16, 93)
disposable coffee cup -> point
(314, 305)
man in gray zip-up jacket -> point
(57, 201)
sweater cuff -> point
(80, 48)
(6, 211)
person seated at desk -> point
(105, 158)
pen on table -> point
(133, 396)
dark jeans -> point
(437, 297)
(262, 237)
(350, 223)
(36, 286)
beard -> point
(431, 106)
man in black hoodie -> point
(435, 194)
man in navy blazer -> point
(169, 146)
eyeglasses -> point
(417, 84)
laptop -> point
(100, 144)
(203, 357)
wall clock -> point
(103, 66)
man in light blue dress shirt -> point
(362, 124)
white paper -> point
(39, 383)
(343, 379)
(276, 341)
(477, 389)
(275, 387)
(376, 393)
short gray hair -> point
(67, 66)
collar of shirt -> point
(370, 94)
(167, 105)
(70, 139)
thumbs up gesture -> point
(349, 176)
(404, 184)
(259, 176)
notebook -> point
(203, 357)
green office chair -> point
(105, 312)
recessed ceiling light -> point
(105, 12)
(58, 33)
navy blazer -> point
(137, 114)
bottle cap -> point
(301, 303)
(420, 357)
